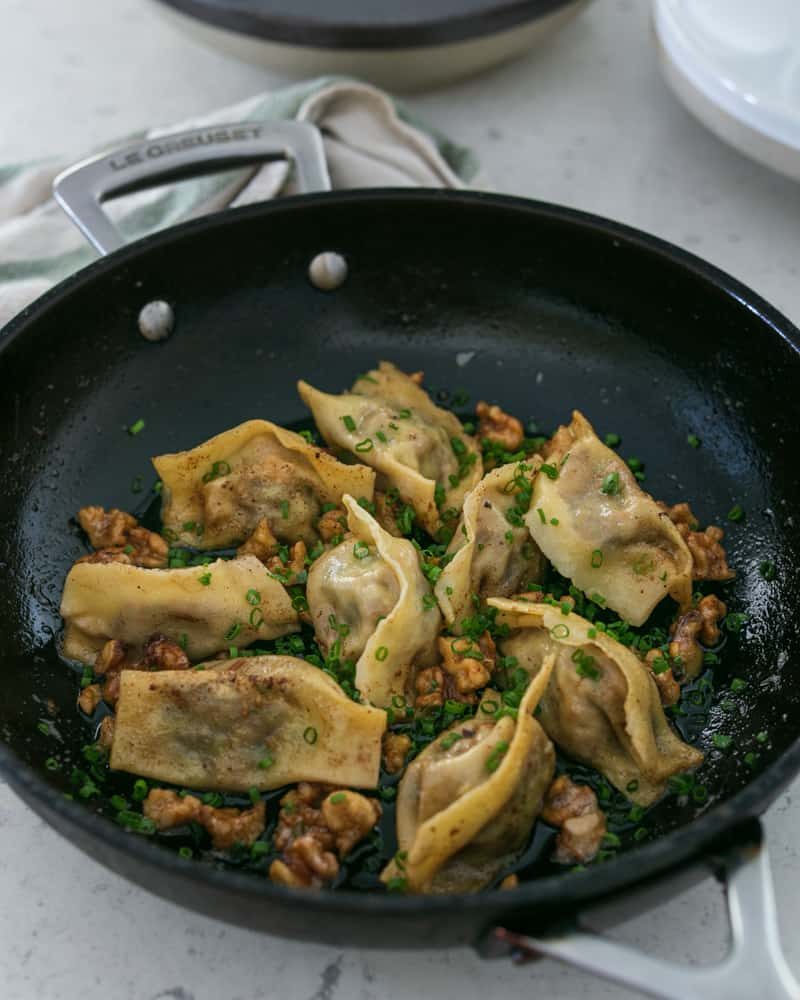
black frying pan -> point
(560, 309)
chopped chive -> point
(140, 790)
(256, 618)
(767, 570)
(205, 579)
(365, 445)
(612, 440)
(610, 484)
(496, 756)
(541, 514)
(551, 471)
(693, 440)
(559, 631)
(136, 427)
(721, 741)
(597, 558)
(736, 513)
(185, 852)
(449, 740)
(348, 421)
(266, 762)
(233, 631)
(381, 653)
(310, 735)
(52, 764)
(217, 469)
(135, 821)
(253, 597)
(404, 414)
(284, 505)
(763, 736)
(738, 684)
(554, 521)
(361, 550)
(337, 798)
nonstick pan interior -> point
(540, 309)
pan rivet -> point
(156, 320)
(327, 271)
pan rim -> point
(672, 851)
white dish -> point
(402, 69)
(735, 64)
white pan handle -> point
(82, 189)
(753, 969)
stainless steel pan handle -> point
(82, 189)
(754, 966)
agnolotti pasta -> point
(391, 424)
(215, 494)
(203, 607)
(468, 803)
(492, 553)
(368, 594)
(595, 524)
(260, 722)
(602, 705)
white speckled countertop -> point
(587, 122)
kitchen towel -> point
(370, 141)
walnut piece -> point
(580, 821)
(332, 524)
(314, 822)
(429, 687)
(470, 664)
(227, 826)
(395, 748)
(386, 511)
(105, 734)
(509, 882)
(689, 630)
(118, 537)
(498, 426)
(159, 653)
(668, 688)
(110, 657)
(289, 570)
(89, 698)
(262, 543)
(162, 654)
(708, 556)
(106, 528)
(349, 816)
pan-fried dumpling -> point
(389, 422)
(602, 705)
(466, 805)
(260, 722)
(369, 594)
(492, 552)
(215, 494)
(610, 537)
(205, 608)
